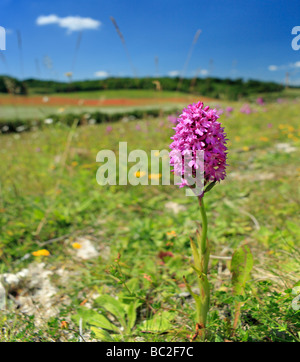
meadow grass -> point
(49, 198)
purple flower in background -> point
(197, 129)
(260, 101)
(228, 110)
(246, 109)
(109, 129)
(172, 119)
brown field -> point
(64, 101)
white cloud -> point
(204, 72)
(173, 73)
(45, 20)
(71, 23)
(285, 67)
(101, 74)
(273, 68)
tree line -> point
(232, 89)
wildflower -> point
(109, 129)
(76, 245)
(163, 254)
(148, 277)
(198, 130)
(246, 109)
(140, 173)
(171, 233)
(64, 324)
(172, 119)
(264, 139)
(155, 176)
(42, 252)
(260, 101)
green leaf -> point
(241, 266)
(133, 284)
(195, 254)
(102, 335)
(159, 323)
(131, 315)
(210, 186)
(113, 306)
(92, 317)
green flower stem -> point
(204, 296)
(203, 246)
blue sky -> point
(239, 39)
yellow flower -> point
(265, 139)
(237, 138)
(246, 148)
(281, 126)
(74, 163)
(42, 252)
(76, 245)
(140, 173)
(155, 176)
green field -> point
(122, 93)
(49, 199)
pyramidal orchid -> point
(198, 131)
